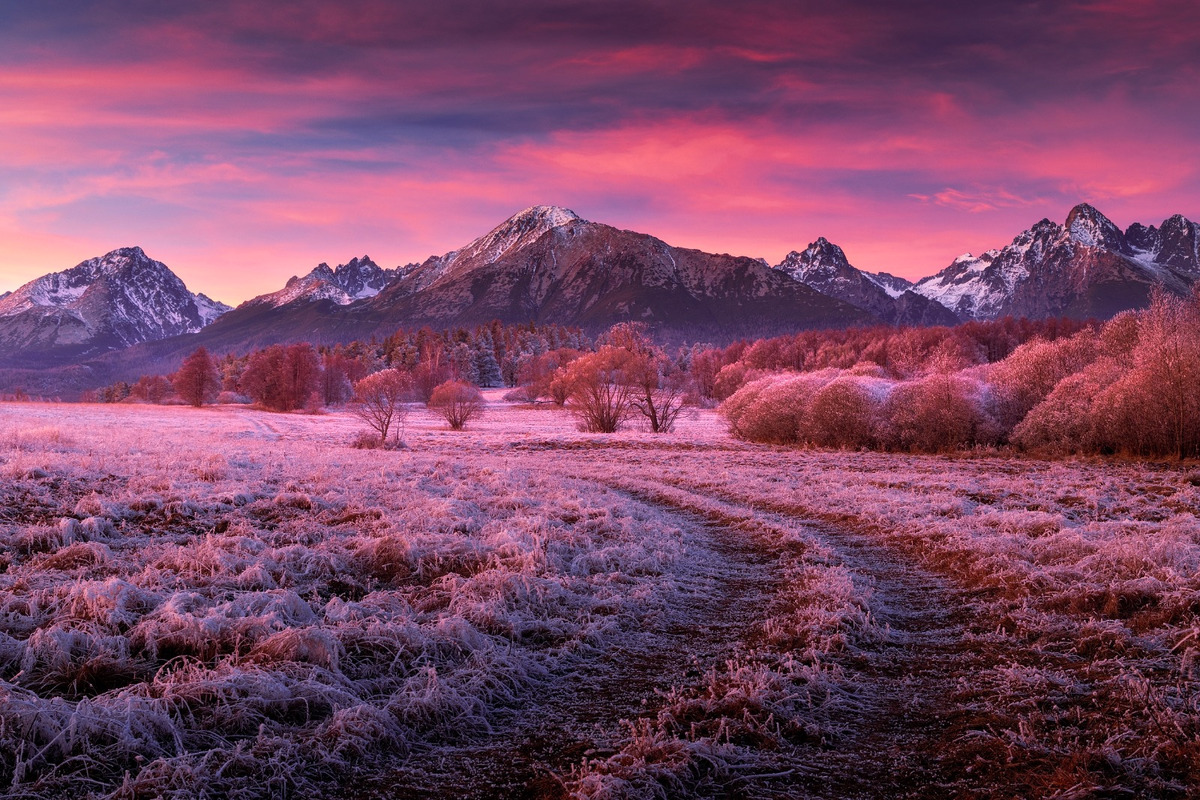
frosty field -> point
(224, 602)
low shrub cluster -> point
(854, 409)
(1126, 388)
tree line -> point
(1058, 385)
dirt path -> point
(908, 732)
(722, 586)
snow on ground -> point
(234, 601)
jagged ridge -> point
(119, 299)
(824, 267)
(1086, 267)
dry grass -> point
(240, 600)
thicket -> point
(1125, 387)
(289, 377)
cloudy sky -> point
(241, 144)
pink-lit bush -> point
(844, 413)
(936, 414)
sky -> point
(241, 143)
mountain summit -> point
(357, 279)
(547, 264)
(119, 299)
(824, 267)
(1086, 267)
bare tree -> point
(379, 401)
(657, 389)
(458, 402)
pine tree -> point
(487, 369)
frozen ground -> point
(226, 602)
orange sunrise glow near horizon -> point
(241, 145)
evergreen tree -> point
(487, 369)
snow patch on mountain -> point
(823, 266)
(1089, 227)
(893, 285)
(516, 232)
(209, 309)
(1085, 266)
(962, 287)
(123, 297)
(357, 279)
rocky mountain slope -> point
(547, 264)
(106, 303)
(823, 266)
(1086, 267)
(357, 279)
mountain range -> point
(547, 264)
(1084, 268)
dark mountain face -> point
(548, 265)
(1085, 268)
(106, 303)
(824, 267)
(1175, 245)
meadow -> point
(226, 602)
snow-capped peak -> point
(820, 261)
(357, 279)
(124, 297)
(1089, 227)
(517, 231)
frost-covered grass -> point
(1090, 570)
(238, 600)
(212, 601)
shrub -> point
(1031, 372)
(1070, 419)
(458, 402)
(151, 388)
(731, 378)
(379, 401)
(843, 413)
(601, 395)
(771, 409)
(938, 413)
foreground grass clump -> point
(255, 617)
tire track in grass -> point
(917, 730)
(1044, 706)
(746, 728)
(721, 587)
